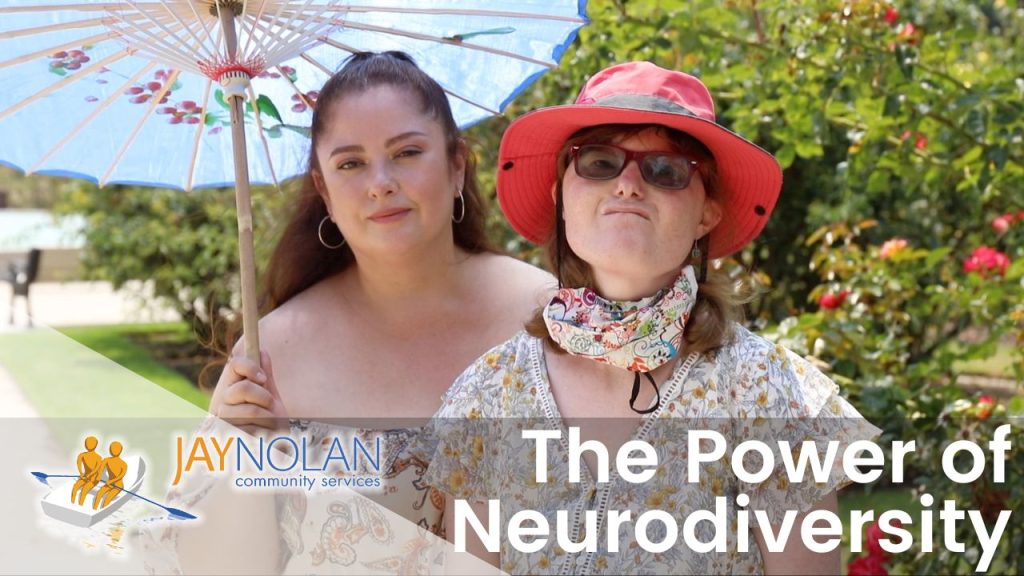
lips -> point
(388, 214)
(626, 209)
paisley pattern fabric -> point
(396, 528)
(638, 336)
(750, 389)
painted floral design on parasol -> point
(138, 91)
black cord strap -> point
(636, 392)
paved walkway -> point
(83, 303)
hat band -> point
(644, 102)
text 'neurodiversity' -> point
(752, 462)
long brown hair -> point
(299, 260)
(720, 298)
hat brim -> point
(750, 177)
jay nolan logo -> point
(283, 461)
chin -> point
(608, 249)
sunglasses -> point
(605, 161)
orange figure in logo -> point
(116, 469)
(90, 466)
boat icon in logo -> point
(101, 487)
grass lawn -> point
(119, 343)
(99, 381)
(59, 378)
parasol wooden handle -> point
(243, 204)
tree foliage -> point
(185, 244)
(910, 115)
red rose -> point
(984, 260)
(985, 405)
(875, 533)
(832, 301)
(1002, 223)
(920, 140)
(867, 566)
(892, 15)
(989, 501)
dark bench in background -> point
(38, 265)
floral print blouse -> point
(749, 389)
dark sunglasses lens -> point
(666, 171)
(599, 162)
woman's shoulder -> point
(297, 315)
(511, 276)
(768, 379)
(484, 382)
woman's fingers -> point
(247, 397)
(247, 369)
(247, 392)
(250, 415)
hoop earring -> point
(462, 213)
(320, 235)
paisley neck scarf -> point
(637, 336)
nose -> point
(383, 182)
(629, 183)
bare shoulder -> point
(510, 291)
(516, 280)
(283, 328)
(297, 328)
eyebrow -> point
(391, 141)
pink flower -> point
(867, 566)
(832, 301)
(891, 247)
(984, 260)
(909, 33)
(1003, 222)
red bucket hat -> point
(636, 93)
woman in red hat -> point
(632, 190)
